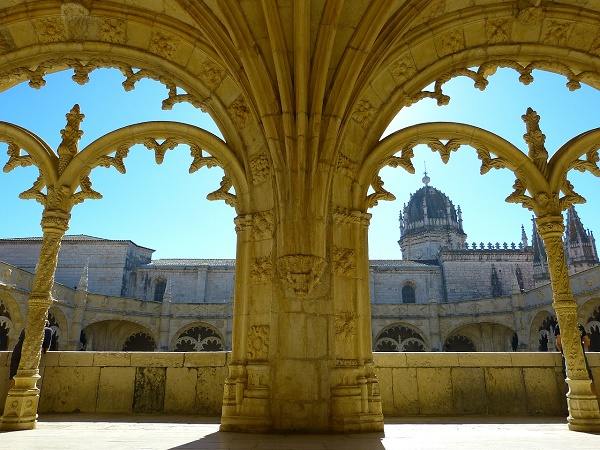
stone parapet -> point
(411, 383)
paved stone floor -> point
(81, 431)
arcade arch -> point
(400, 337)
(541, 337)
(199, 337)
(115, 335)
(483, 337)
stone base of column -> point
(356, 408)
(245, 409)
(20, 409)
(583, 407)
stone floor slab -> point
(76, 431)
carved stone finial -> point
(71, 134)
(535, 139)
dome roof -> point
(438, 206)
(429, 210)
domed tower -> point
(429, 223)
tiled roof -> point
(191, 262)
(401, 263)
(76, 238)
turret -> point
(580, 245)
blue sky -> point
(165, 208)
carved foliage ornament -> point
(163, 44)
(113, 30)
(261, 269)
(263, 224)
(404, 161)
(344, 261)
(364, 113)
(50, 29)
(498, 30)
(260, 168)
(84, 68)
(346, 166)
(239, 112)
(480, 76)
(343, 216)
(345, 324)
(258, 342)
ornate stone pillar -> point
(582, 403)
(246, 404)
(355, 401)
(20, 410)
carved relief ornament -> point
(260, 168)
(344, 261)
(300, 273)
(263, 225)
(258, 342)
(261, 269)
(343, 216)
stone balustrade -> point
(410, 383)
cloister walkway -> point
(75, 431)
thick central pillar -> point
(302, 357)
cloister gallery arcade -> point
(302, 92)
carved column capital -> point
(550, 226)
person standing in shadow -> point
(15, 358)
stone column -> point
(582, 404)
(164, 324)
(246, 397)
(20, 410)
(355, 401)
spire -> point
(524, 237)
(580, 245)
(426, 179)
(539, 251)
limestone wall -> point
(410, 383)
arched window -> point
(139, 342)
(159, 290)
(199, 339)
(408, 294)
(459, 343)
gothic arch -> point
(60, 327)
(485, 336)
(459, 343)
(15, 317)
(111, 335)
(432, 133)
(554, 44)
(139, 342)
(589, 317)
(401, 337)
(587, 309)
(118, 142)
(164, 54)
(541, 331)
(140, 322)
(198, 336)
